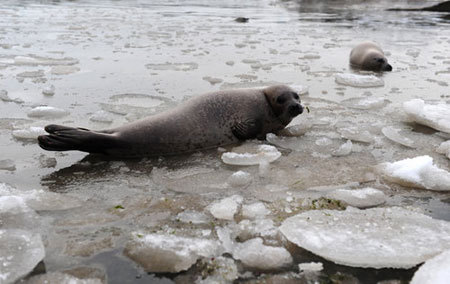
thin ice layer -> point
(359, 81)
(434, 271)
(364, 238)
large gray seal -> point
(369, 56)
(206, 121)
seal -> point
(206, 121)
(369, 56)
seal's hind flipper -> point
(63, 138)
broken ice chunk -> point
(30, 133)
(61, 278)
(434, 271)
(295, 130)
(47, 112)
(7, 165)
(328, 234)
(20, 252)
(264, 153)
(219, 270)
(355, 134)
(434, 116)
(255, 254)
(168, 253)
(49, 90)
(193, 217)
(239, 178)
(361, 198)
(15, 214)
(359, 81)
(254, 210)
(226, 208)
(393, 134)
(418, 172)
(444, 148)
(310, 266)
(365, 102)
(344, 150)
(259, 227)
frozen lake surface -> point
(216, 215)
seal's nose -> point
(295, 109)
(388, 68)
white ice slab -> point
(30, 133)
(47, 112)
(393, 134)
(20, 252)
(359, 81)
(344, 150)
(168, 253)
(435, 116)
(310, 266)
(239, 178)
(263, 154)
(226, 208)
(376, 237)
(361, 198)
(434, 271)
(444, 148)
(255, 210)
(418, 172)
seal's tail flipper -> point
(63, 138)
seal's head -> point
(284, 101)
(376, 62)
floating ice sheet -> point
(49, 90)
(359, 81)
(365, 103)
(239, 178)
(7, 165)
(356, 134)
(364, 238)
(34, 60)
(310, 266)
(264, 154)
(30, 133)
(101, 116)
(47, 112)
(61, 278)
(434, 271)
(226, 208)
(444, 148)
(255, 254)
(168, 253)
(361, 198)
(418, 172)
(15, 214)
(393, 134)
(434, 116)
(344, 150)
(20, 252)
(255, 210)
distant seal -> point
(207, 121)
(369, 56)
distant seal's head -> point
(369, 56)
(284, 101)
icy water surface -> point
(100, 64)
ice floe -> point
(444, 148)
(259, 227)
(360, 81)
(226, 208)
(220, 270)
(101, 116)
(193, 217)
(435, 116)
(239, 178)
(361, 198)
(49, 90)
(356, 134)
(418, 172)
(310, 266)
(34, 60)
(255, 210)
(61, 278)
(168, 253)
(344, 150)
(30, 133)
(15, 214)
(365, 103)
(434, 271)
(255, 254)
(47, 112)
(39, 199)
(264, 154)
(5, 97)
(20, 252)
(393, 134)
(364, 238)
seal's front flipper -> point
(63, 138)
(248, 129)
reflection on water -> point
(111, 62)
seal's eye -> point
(281, 99)
(380, 60)
(296, 96)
